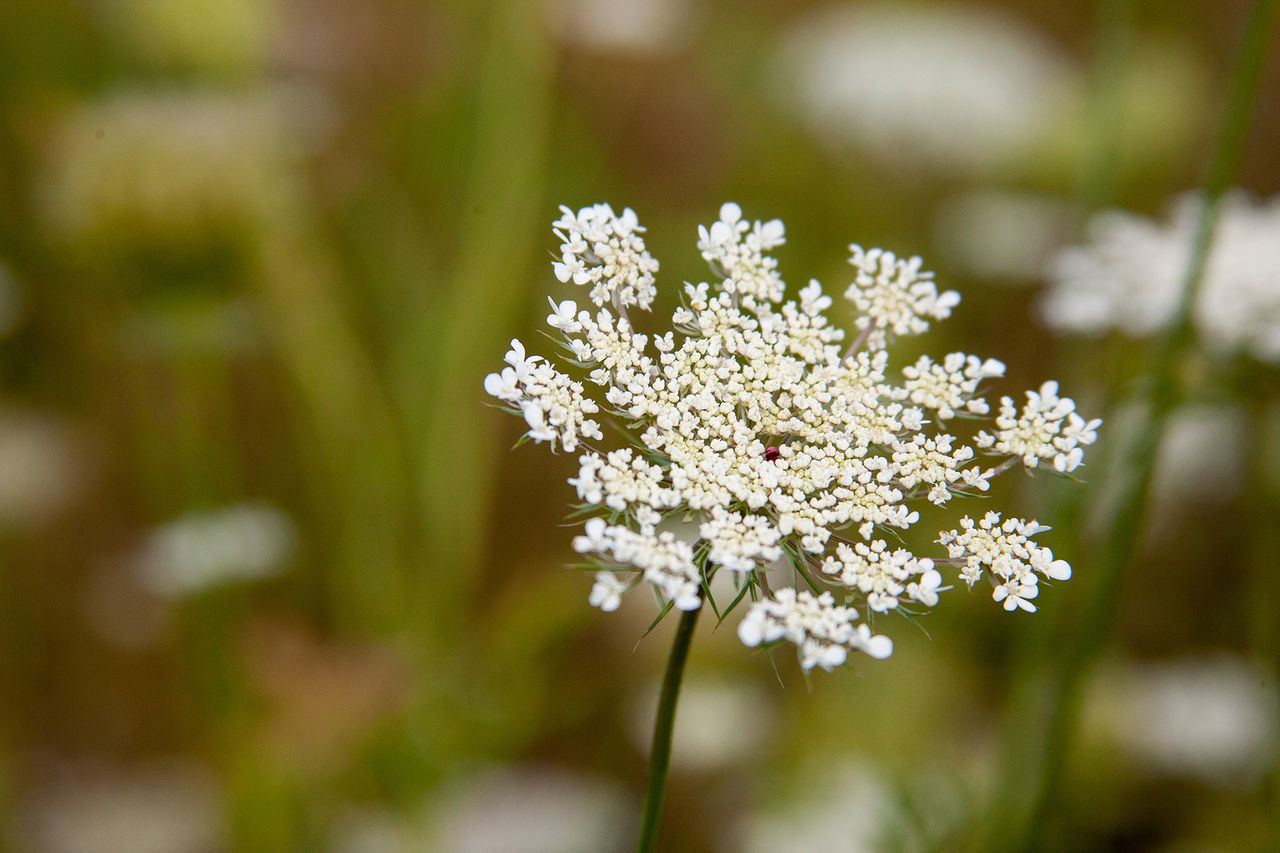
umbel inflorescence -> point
(755, 435)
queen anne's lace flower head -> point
(784, 443)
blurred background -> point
(271, 576)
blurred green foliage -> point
(265, 252)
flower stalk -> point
(663, 727)
(1162, 394)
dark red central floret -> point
(771, 453)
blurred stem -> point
(484, 299)
(354, 456)
(1115, 37)
(1025, 704)
(663, 725)
(1163, 391)
(1263, 584)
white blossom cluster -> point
(794, 452)
(1128, 276)
(823, 630)
(552, 404)
(1008, 554)
(1047, 428)
(952, 385)
(607, 252)
(893, 296)
(665, 561)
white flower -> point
(622, 480)
(197, 551)
(606, 251)
(1128, 276)
(516, 358)
(877, 646)
(1007, 552)
(740, 543)
(879, 574)
(1016, 593)
(564, 316)
(623, 27)
(926, 589)
(536, 419)
(595, 537)
(503, 385)
(553, 405)
(823, 630)
(607, 591)
(944, 86)
(1048, 428)
(736, 249)
(812, 301)
(952, 385)
(894, 296)
(532, 809)
(1215, 719)
(754, 420)
(666, 562)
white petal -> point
(1059, 570)
(749, 629)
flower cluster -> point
(795, 454)
(823, 630)
(552, 404)
(1128, 276)
(1008, 554)
(1046, 428)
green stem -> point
(660, 753)
(442, 359)
(1263, 590)
(1106, 87)
(1120, 541)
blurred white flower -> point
(622, 26)
(720, 723)
(1001, 236)
(373, 829)
(41, 468)
(950, 87)
(1201, 454)
(1212, 718)
(1128, 276)
(530, 809)
(607, 591)
(496, 810)
(201, 550)
(158, 809)
(176, 166)
(848, 808)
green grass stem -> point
(1161, 394)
